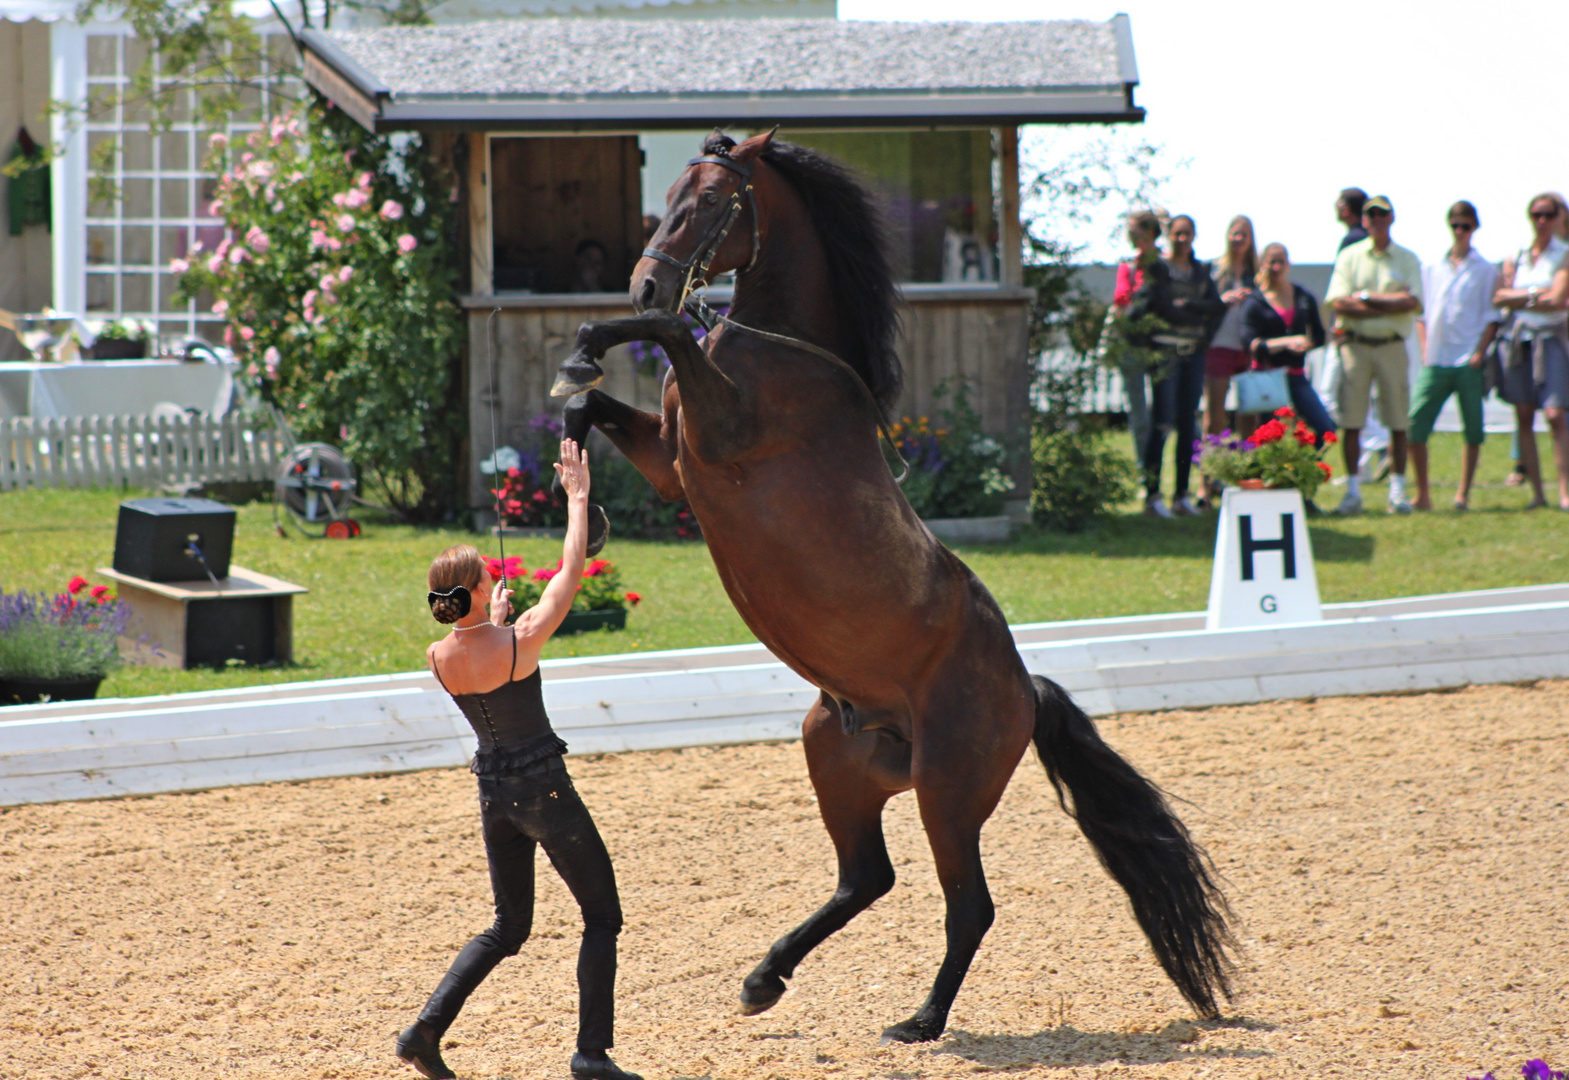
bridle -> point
(695, 268)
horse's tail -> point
(1142, 844)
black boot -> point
(598, 1068)
(423, 1053)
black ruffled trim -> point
(502, 761)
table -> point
(113, 387)
(247, 616)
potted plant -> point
(956, 481)
(58, 648)
(121, 339)
(599, 604)
(1279, 454)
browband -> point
(458, 593)
(729, 163)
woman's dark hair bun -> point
(450, 605)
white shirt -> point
(1539, 273)
(1459, 307)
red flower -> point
(634, 599)
(514, 472)
(1285, 413)
(514, 567)
(1330, 438)
(1303, 435)
(540, 496)
(77, 584)
(596, 567)
(1269, 432)
(1328, 472)
(98, 592)
(545, 573)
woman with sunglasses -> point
(1280, 326)
(526, 798)
(1535, 286)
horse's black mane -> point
(850, 228)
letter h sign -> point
(1245, 587)
(1286, 545)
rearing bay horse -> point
(770, 429)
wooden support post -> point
(481, 254)
(1009, 228)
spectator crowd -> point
(1479, 327)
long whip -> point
(495, 442)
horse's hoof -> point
(759, 992)
(578, 373)
(598, 528)
(913, 1030)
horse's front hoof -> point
(913, 1030)
(598, 528)
(577, 373)
(759, 992)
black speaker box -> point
(153, 536)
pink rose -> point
(328, 283)
(238, 254)
(364, 180)
(217, 141)
(216, 208)
(310, 297)
(345, 222)
(215, 264)
(318, 238)
(346, 273)
(252, 370)
(221, 308)
(179, 266)
(258, 240)
(356, 197)
(391, 211)
(340, 199)
(228, 336)
(247, 158)
(272, 357)
(407, 243)
(247, 333)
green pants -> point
(1433, 387)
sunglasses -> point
(1543, 215)
(1462, 226)
(1375, 212)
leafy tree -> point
(1076, 471)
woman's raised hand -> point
(573, 469)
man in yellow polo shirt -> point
(1376, 293)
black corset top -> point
(510, 720)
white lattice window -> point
(165, 198)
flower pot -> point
(578, 622)
(1251, 485)
(119, 349)
(26, 690)
(973, 530)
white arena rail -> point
(140, 451)
(734, 694)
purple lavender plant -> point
(53, 637)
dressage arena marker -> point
(740, 693)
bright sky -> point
(1276, 107)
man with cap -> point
(1376, 294)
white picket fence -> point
(139, 451)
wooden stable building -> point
(567, 133)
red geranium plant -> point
(1283, 453)
(598, 590)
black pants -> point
(517, 812)
(1176, 390)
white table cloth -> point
(113, 388)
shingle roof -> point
(587, 71)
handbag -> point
(1262, 391)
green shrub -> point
(956, 470)
(1077, 474)
(336, 281)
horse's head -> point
(711, 224)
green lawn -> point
(365, 613)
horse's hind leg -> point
(854, 776)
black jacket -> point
(1260, 322)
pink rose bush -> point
(335, 281)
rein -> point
(696, 270)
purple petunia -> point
(1537, 1069)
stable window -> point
(937, 193)
(566, 213)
